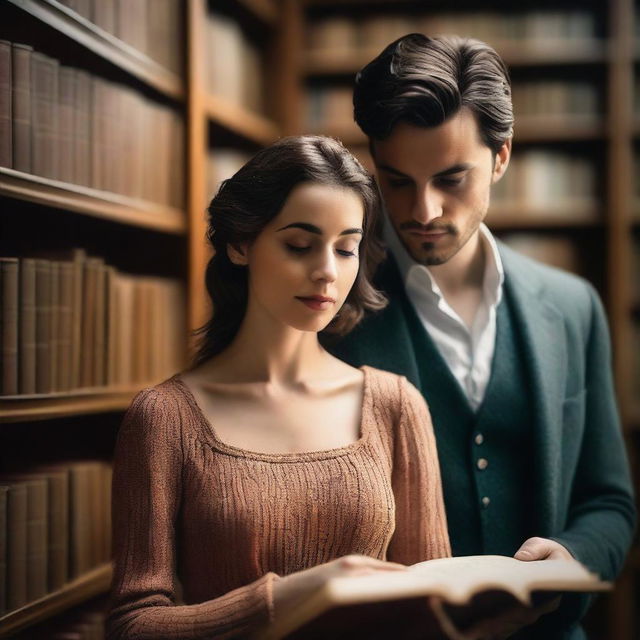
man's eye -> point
(296, 249)
(451, 182)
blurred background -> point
(119, 119)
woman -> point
(270, 466)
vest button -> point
(482, 464)
(479, 439)
(485, 502)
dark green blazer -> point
(581, 487)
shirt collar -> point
(493, 275)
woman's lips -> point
(317, 303)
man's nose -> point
(428, 204)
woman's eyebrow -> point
(311, 228)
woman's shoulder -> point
(387, 387)
(160, 400)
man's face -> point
(436, 182)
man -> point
(513, 357)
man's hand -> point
(506, 624)
(542, 549)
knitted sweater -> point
(227, 522)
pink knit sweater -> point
(227, 522)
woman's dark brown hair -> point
(424, 81)
(248, 201)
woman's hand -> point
(288, 591)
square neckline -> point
(207, 432)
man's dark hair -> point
(424, 81)
(250, 199)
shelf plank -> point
(522, 54)
(93, 202)
(106, 45)
(236, 118)
(515, 216)
(50, 406)
(87, 586)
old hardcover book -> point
(6, 150)
(100, 340)
(9, 285)
(90, 280)
(79, 518)
(66, 150)
(43, 326)
(16, 544)
(466, 589)
(65, 325)
(57, 476)
(36, 531)
(21, 105)
(104, 14)
(54, 324)
(27, 329)
(45, 119)
(82, 129)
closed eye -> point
(295, 249)
(348, 254)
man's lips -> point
(318, 303)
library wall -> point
(118, 122)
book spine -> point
(82, 129)
(16, 546)
(104, 14)
(58, 484)
(66, 124)
(79, 521)
(6, 144)
(27, 330)
(21, 106)
(9, 285)
(78, 265)
(88, 322)
(54, 325)
(99, 341)
(43, 326)
(44, 95)
(37, 537)
(65, 326)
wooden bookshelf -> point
(104, 44)
(264, 10)
(62, 405)
(83, 588)
(92, 202)
(252, 126)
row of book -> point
(330, 107)
(78, 324)
(546, 180)
(153, 27)
(233, 64)
(65, 124)
(337, 34)
(55, 526)
(556, 250)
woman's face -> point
(304, 262)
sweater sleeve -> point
(421, 522)
(147, 485)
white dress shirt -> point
(467, 352)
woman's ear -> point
(502, 161)
(238, 254)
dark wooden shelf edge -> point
(47, 407)
(241, 121)
(105, 44)
(91, 584)
(93, 202)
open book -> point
(471, 587)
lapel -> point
(545, 352)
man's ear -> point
(502, 161)
(238, 254)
